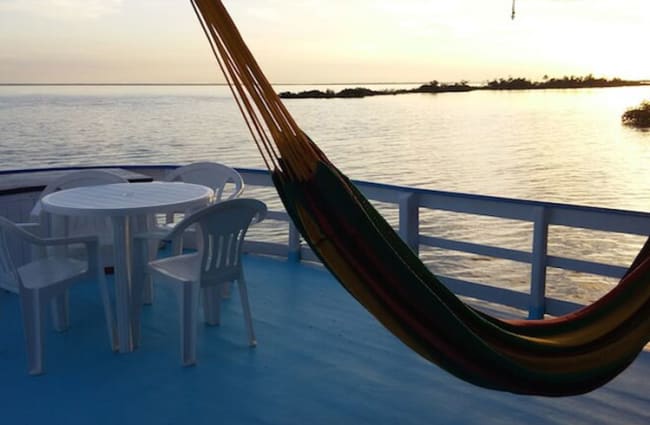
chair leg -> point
(32, 312)
(141, 285)
(189, 306)
(108, 311)
(147, 296)
(152, 253)
(246, 309)
(226, 289)
(136, 315)
(212, 305)
(138, 285)
(61, 311)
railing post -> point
(537, 307)
(294, 243)
(409, 220)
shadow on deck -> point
(320, 359)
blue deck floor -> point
(320, 359)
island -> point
(567, 82)
(638, 116)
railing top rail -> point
(489, 198)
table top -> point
(127, 198)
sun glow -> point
(326, 41)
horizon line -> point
(126, 84)
(200, 83)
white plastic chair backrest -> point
(77, 179)
(226, 182)
(80, 225)
(222, 228)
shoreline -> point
(502, 84)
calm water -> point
(555, 145)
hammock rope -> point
(568, 355)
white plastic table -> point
(128, 205)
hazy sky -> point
(306, 41)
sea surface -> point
(551, 145)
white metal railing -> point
(540, 214)
(411, 202)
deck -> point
(320, 359)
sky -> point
(326, 41)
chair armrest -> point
(91, 242)
(259, 217)
(19, 229)
(91, 245)
(89, 239)
(165, 234)
(35, 213)
(236, 194)
(34, 228)
(174, 236)
(160, 234)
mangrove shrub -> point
(638, 116)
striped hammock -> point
(568, 355)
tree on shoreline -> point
(567, 82)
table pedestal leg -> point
(139, 278)
(57, 226)
(122, 254)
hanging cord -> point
(281, 142)
(513, 10)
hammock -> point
(568, 355)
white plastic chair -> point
(221, 229)
(227, 184)
(75, 226)
(47, 279)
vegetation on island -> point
(345, 93)
(567, 82)
(436, 87)
(638, 116)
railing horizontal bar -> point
(555, 307)
(473, 248)
(586, 266)
(501, 296)
(381, 194)
(277, 215)
(597, 220)
(477, 206)
(266, 248)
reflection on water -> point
(554, 145)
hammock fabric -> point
(563, 356)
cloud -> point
(63, 9)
